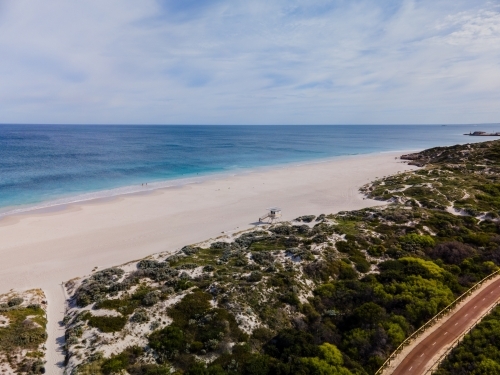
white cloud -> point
(249, 62)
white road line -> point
(456, 323)
(475, 306)
(434, 343)
(446, 333)
(410, 368)
(421, 355)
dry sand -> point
(44, 249)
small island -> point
(483, 134)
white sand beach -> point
(45, 249)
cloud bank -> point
(249, 62)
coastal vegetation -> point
(333, 294)
(479, 352)
(22, 332)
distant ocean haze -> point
(53, 164)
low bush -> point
(16, 301)
(347, 247)
(306, 218)
(168, 341)
(140, 316)
(413, 242)
(26, 332)
(148, 263)
(190, 250)
(376, 250)
(220, 245)
(119, 362)
(96, 286)
(262, 257)
(151, 298)
(453, 252)
(150, 369)
(254, 277)
(282, 229)
(107, 323)
(361, 264)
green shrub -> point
(193, 304)
(196, 346)
(255, 276)
(377, 250)
(345, 246)
(140, 316)
(290, 298)
(169, 340)
(283, 229)
(262, 257)
(190, 250)
(96, 286)
(306, 218)
(361, 264)
(148, 370)
(329, 361)
(16, 301)
(346, 272)
(22, 332)
(119, 362)
(413, 242)
(108, 323)
(151, 298)
(125, 306)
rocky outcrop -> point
(417, 159)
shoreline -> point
(60, 204)
(44, 249)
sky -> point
(250, 62)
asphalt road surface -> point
(418, 359)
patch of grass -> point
(346, 226)
(23, 332)
(125, 306)
(268, 245)
(120, 362)
(107, 323)
(90, 368)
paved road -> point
(418, 359)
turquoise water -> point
(54, 163)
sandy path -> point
(44, 249)
(427, 352)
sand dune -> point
(44, 249)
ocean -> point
(47, 165)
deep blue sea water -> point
(56, 163)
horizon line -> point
(157, 124)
